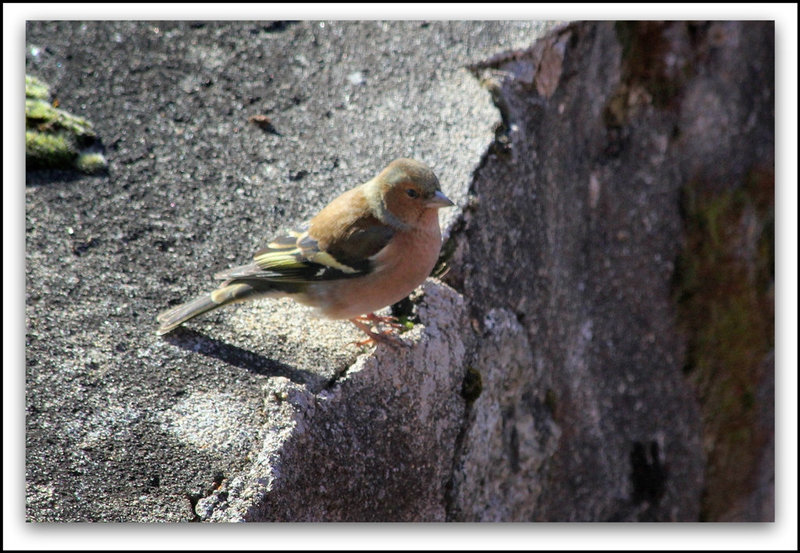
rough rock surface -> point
(544, 379)
(578, 211)
(355, 450)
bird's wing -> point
(296, 256)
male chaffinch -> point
(368, 248)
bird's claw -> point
(386, 336)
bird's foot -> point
(387, 336)
(387, 320)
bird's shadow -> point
(197, 342)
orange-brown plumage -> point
(368, 248)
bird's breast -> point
(400, 267)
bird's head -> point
(407, 190)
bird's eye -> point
(412, 193)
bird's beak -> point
(439, 200)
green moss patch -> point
(55, 139)
(724, 288)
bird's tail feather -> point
(173, 318)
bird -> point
(368, 248)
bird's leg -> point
(388, 320)
(386, 336)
